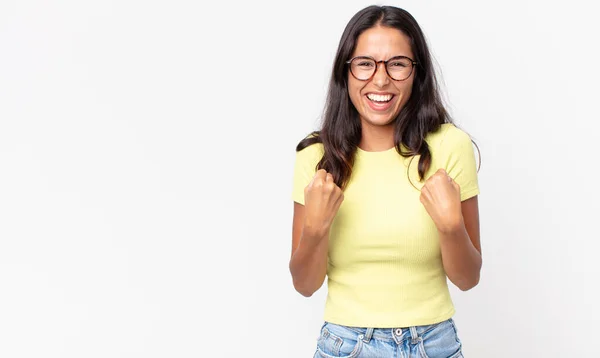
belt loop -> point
(414, 335)
(368, 335)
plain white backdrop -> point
(146, 156)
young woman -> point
(385, 199)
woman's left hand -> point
(441, 198)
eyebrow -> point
(373, 57)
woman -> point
(385, 199)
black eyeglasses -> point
(398, 68)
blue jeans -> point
(438, 340)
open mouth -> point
(378, 98)
(380, 102)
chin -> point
(380, 120)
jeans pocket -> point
(441, 341)
(338, 342)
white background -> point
(146, 155)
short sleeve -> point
(457, 157)
(305, 169)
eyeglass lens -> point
(399, 69)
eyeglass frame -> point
(412, 67)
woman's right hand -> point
(322, 199)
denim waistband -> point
(398, 334)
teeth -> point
(379, 98)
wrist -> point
(452, 227)
(313, 232)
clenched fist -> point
(441, 198)
(322, 199)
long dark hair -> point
(423, 113)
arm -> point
(308, 264)
(310, 233)
(461, 248)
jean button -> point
(398, 332)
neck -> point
(376, 138)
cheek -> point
(354, 92)
(406, 90)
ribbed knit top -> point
(385, 265)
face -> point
(380, 99)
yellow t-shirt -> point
(385, 266)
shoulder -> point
(448, 136)
(313, 149)
(312, 154)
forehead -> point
(382, 43)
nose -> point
(380, 77)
